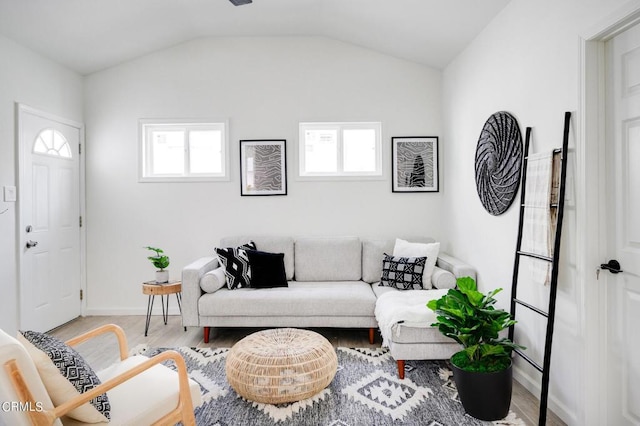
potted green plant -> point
(482, 370)
(160, 261)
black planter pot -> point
(485, 396)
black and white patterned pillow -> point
(236, 265)
(71, 366)
(403, 273)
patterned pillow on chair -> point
(65, 374)
(403, 273)
(236, 265)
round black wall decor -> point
(498, 162)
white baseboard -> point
(157, 311)
(533, 385)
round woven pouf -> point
(281, 365)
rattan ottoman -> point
(281, 365)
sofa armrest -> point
(456, 266)
(191, 290)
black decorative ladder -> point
(554, 260)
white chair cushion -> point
(10, 349)
(147, 397)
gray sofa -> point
(333, 282)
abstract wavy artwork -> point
(415, 164)
(267, 173)
(498, 162)
(263, 167)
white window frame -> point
(148, 125)
(340, 174)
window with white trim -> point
(340, 150)
(183, 150)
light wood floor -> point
(103, 351)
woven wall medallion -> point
(498, 162)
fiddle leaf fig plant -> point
(470, 318)
(159, 260)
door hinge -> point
(80, 221)
(79, 148)
(81, 294)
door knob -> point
(31, 244)
(612, 266)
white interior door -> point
(623, 173)
(50, 262)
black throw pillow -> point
(267, 269)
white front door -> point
(49, 229)
(622, 343)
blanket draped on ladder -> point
(541, 192)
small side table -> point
(152, 289)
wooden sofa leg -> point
(372, 335)
(206, 334)
(401, 369)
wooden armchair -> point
(141, 390)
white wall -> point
(527, 62)
(28, 78)
(265, 86)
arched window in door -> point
(52, 142)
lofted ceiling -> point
(91, 35)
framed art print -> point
(414, 164)
(263, 167)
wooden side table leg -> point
(165, 313)
(179, 299)
(150, 301)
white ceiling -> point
(91, 35)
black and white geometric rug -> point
(366, 391)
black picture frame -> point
(263, 167)
(414, 163)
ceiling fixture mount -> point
(240, 2)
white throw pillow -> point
(407, 249)
(213, 280)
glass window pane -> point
(52, 142)
(65, 150)
(205, 151)
(46, 137)
(40, 146)
(321, 151)
(359, 150)
(58, 141)
(168, 152)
